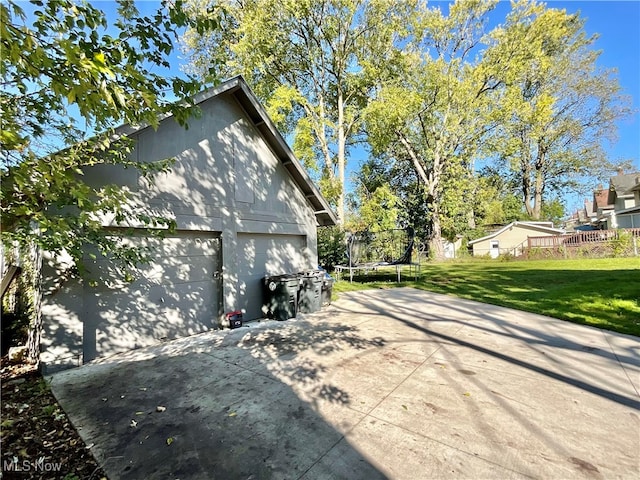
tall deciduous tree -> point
(307, 60)
(558, 107)
(431, 111)
(68, 78)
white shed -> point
(244, 208)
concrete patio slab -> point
(396, 383)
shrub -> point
(621, 244)
(332, 249)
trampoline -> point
(372, 251)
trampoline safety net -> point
(371, 250)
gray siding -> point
(225, 181)
(260, 255)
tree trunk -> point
(526, 186)
(341, 158)
(471, 219)
(436, 248)
(539, 184)
(435, 243)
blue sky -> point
(616, 21)
(618, 26)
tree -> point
(552, 210)
(558, 107)
(379, 209)
(496, 199)
(432, 110)
(332, 247)
(69, 77)
(376, 207)
(308, 61)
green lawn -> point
(602, 293)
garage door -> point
(177, 294)
(259, 255)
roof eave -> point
(323, 212)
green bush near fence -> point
(622, 245)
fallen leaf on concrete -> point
(169, 440)
(405, 407)
(160, 408)
(133, 424)
(467, 394)
(233, 414)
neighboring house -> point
(244, 208)
(623, 200)
(590, 212)
(579, 220)
(512, 238)
(601, 207)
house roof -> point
(589, 208)
(544, 227)
(238, 88)
(623, 185)
(600, 198)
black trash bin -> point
(310, 295)
(327, 290)
(281, 296)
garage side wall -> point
(62, 309)
(226, 182)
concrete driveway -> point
(395, 383)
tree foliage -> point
(375, 205)
(308, 60)
(557, 107)
(431, 111)
(526, 98)
(70, 76)
(332, 247)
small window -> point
(495, 244)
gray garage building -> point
(244, 208)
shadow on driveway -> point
(397, 383)
(219, 405)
